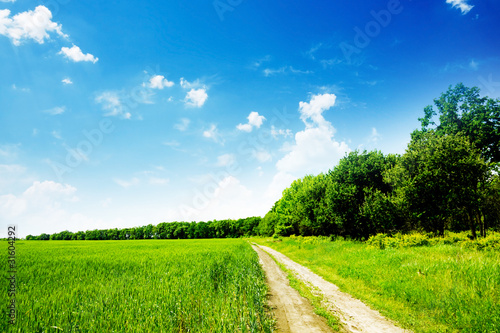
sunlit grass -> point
(441, 288)
(139, 286)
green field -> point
(440, 288)
(138, 286)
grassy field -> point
(440, 288)
(137, 286)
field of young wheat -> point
(137, 286)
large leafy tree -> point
(462, 110)
(439, 180)
(349, 184)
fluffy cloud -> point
(461, 4)
(196, 97)
(315, 149)
(75, 54)
(112, 103)
(45, 207)
(46, 196)
(159, 82)
(33, 24)
(67, 81)
(313, 110)
(254, 120)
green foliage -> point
(462, 110)
(173, 230)
(138, 286)
(438, 182)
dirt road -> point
(294, 313)
(354, 315)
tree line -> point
(165, 230)
(447, 179)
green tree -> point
(462, 110)
(438, 181)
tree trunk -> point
(472, 225)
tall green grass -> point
(432, 288)
(138, 286)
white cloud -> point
(315, 149)
(67, 81)
(315, 108)
(254, 120)
(112, 103)
(46, 196)
(461, 4)
(270, 71)
(260, 61)
(33, 24)
(56, 110)
(159, 82)
(277, 132)
(183, 124)
(191, 85)
(225, 160)
(287, 69)
(75, 54)
(127, 183)
(244, 127)
(14, 87)
(213, 133)
(45, 207)
(196, 97)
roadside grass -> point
(315, 297)
(137, 286)
(446, 287)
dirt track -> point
(294, 313)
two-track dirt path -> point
(296, 312)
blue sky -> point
(118, 114)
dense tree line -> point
(170, 230)
(446, 180)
